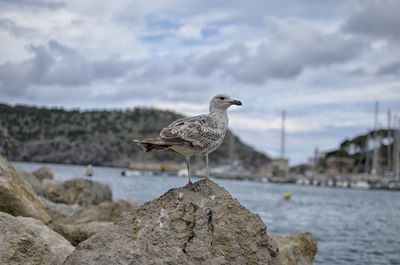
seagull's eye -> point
(221, 98)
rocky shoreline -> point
(43, 221)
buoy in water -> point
(287, 196)
(89, 171)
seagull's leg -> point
(207, 169)
(188, 167)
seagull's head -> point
(222, 102)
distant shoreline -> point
(217, 177)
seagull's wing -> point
(200, 130)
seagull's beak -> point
(236, 102)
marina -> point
(351, 226)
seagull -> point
(198, 135)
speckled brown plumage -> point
(198, 135)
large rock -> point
(59, 211)
(297, 249)
(51, 188)
(104, 212)
(43, 173)
(91, 220)
(79, 191)
(17, 196)
(60, 248)
(76, 233)
(197, 224)
(33, 181)
(28, 241)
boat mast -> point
(396, 147)
(375, 142)
(367, 153)
(389, 134)
(283, 134)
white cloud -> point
(94, 36)
(365, 93)
(190, 32)
(15, 50)
(180, 107)
(318, 122)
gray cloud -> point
(375, 18)
(392, 68)
(252, 12)
(285, 58)
(57, 64)
(19, 31)
(51, 4)
(358, 71)
(217, 59)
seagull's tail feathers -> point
(158, 144)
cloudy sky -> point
(324, 62)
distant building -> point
(302, 169)
(339, 165)
(278, 167)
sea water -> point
(351, 226)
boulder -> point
(17, 196)
(43, 173)
(104, 212)
(79, 191)
(29, 241)
(296, 249)
(90, 220)
(59, 211)
(51, 188)
(87, 221)
(76, 233)
(33, 181)
(197, 224)
(60, 248)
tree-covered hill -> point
(361, 149)
(96, 137)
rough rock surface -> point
(51, 186)
(33, 181)
(91, 220)
(104, 212)
(59, 211)
(33, 244)
(43, 173)
(76, 233)
(79, 191)
(17, 196)
(297, 249)
(197, 224)
(59, 246)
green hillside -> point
(360, 148)
(96, 137)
